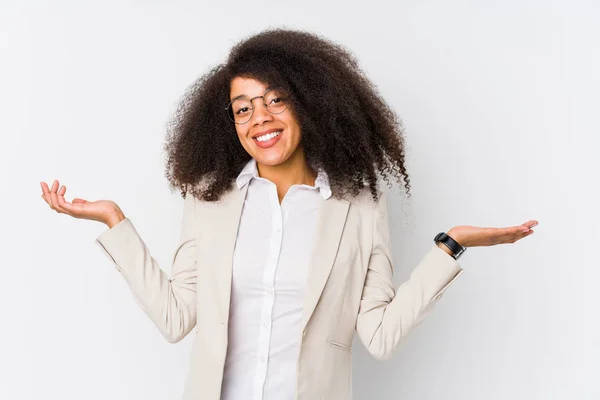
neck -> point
(293, 171)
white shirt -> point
(270, 265)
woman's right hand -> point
(105, 211)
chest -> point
(274, 242)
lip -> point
(269, 143)
(264, 133)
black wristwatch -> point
(450, 243)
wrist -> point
(457, 238)
(445, 248)
(114, 218)
(451, 243)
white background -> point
(500, 101)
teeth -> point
(268, 136)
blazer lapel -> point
(330, 225)
(227, 216)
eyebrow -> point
(238, 97)
(243, 95)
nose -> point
(261, 114)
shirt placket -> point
(269, 295)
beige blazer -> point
(349, 289)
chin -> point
(271, 161)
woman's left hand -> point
(472, 236)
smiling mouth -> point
(267, 137)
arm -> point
(169, 302)
(386, 317)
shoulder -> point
(200, 193)
(365, 203)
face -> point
(279, 148)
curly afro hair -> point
(348, 130)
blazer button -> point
(303, 333)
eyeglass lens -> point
(240, 110)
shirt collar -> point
(250, 171)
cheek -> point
(241, 134)
(240, 131)
(244, 141)
(295, 129)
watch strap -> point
(452, 244)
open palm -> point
(473, 236)
(100, 210)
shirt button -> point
(266, 324)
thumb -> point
(78, 200)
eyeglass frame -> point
(251, 102)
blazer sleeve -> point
(169, 302)
(387, 316)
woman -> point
(285, 247)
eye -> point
(242, 110)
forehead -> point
(247, 86)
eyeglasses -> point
(241, 109)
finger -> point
(508, 235)
(78, 200)
(522, 232)
(527, 225)
(44, 187)
(54, 200)
(61, 198)
(45, 192)
(505, 235)
(522, 235)
(65, 206)
(516, 230)
(52, 191)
